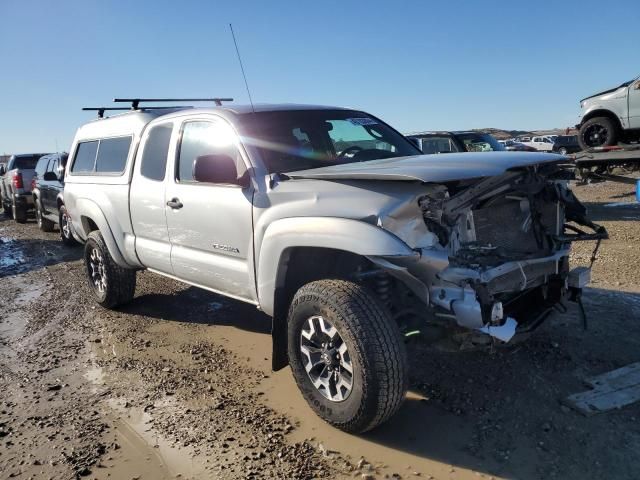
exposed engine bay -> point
(497, 257)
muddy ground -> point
(178, 383)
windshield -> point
(304, 139)
(479, 142)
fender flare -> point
(344, 234)
(87, 209)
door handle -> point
(174, 203)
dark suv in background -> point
(448, 142)
(48, 200)
(565, 144)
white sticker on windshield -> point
(362, 121)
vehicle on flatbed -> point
(48, 196)
(15, 185)
(609, 117)
(333, 224)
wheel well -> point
(602, 113)
(299, 266)
(88, 224)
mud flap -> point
(279, 357)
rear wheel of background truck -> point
(18, 212)
(66, 234)
(7, 210)
(111, 284)
(346, 354)
(598, 132)
(43, 224)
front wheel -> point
(111, 284)
(346, 354)
(598, 132)
(562, 150)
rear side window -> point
(112, 155)
(108, 155)
(85, 157)
(156, 148)
(41, 167)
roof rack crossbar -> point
(135, 102)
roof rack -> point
(135, 102)
(101, 110)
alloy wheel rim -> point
(596, 135)
(65, 226)
(326, 359)
(97, 270)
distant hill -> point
(501, 134)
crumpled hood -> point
(431, 168)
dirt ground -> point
(178, 383)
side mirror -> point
(217, 168)
(50, 177)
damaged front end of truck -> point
(495, 255)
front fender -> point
(86, 209)
(344, 234)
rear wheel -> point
(18, 212)
(111, 284)
(598, 132)
(43, 224)
(562, 150)
(66, 232)
(346, 354)
(7, 210)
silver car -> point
(333, 224)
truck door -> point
(634, 104)
(50, 190)
(210, 224)
(147, 201)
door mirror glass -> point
(216, 168)
(50, 177)
(2, 170)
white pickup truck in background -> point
(540, 143)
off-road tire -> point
(43, 224)
(604, 122)
(120, 282)
(18, 212)
(7, 210)
(376, 349)
(67, 238)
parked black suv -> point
(566, 144)
(48, 200)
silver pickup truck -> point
(15, 185)
(332, 223)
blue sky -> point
(418, 65)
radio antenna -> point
(242, 68)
